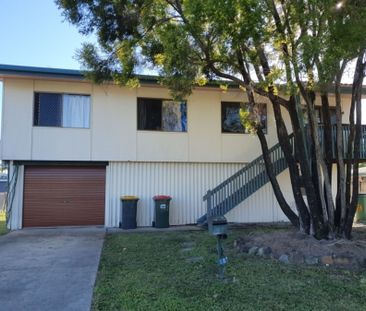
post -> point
(222, 259)
(209, 203)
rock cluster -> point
(297, 257)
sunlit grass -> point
(153, 271)
(3, 229)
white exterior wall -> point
(142, 163)
(262, 205)
(113, 134)
(16, 135)
(186, 183)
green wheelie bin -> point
(361, 208)
(162, 211)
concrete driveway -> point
(49, 269)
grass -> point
(150, 271)
(3, 229)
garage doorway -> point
(63, 196)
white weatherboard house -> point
(74, 148)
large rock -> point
(264, 251)
(284, 259)
(342, 260)
(253, 250)
(327, 260)
(311, 260)
(297, 258)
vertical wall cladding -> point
(186, 183)
(15, 200)
(262, 205)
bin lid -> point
(162, 197)
(129, 197)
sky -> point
(34, 33)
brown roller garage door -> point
(63, 196)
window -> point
(61, 110)
(161, 115)
(230, 119)
(320, 118)
(362, 183)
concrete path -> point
(49, 269)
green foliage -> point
(150, 271)
(3, 229)
(248, 120)
(201, 80)
(194, 41)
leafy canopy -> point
(192, 42)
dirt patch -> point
(292, 247)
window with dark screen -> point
(161, 115)
(320, 117)
(230, 117)
(48, 109)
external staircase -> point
(237, 188)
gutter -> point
(58, 73)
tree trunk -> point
(269, 167)
(286, 209)
(356, 131)
(327, 132)
(303, 156)
(287, 149)
(340, 216)
(322, 170)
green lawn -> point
(3, 229)
(150, 271)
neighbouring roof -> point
(58, 73)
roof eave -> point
(72, 74)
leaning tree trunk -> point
(283, 138)
(327, 130)
(355, 131)
(294, 219)
(303, 156)
(341, 208)
(286, 209)
(322, 172)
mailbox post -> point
(217, 226)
